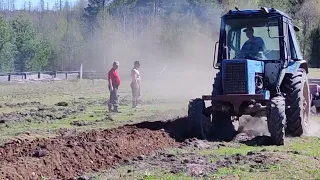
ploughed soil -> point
(67, 157)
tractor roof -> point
(253, 12)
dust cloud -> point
(314, 126)
(175, 52)
(258, 126)
(254, 126)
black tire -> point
(276, 119)
(298, 102)
(222, 127)
(196, 118)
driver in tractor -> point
(253, 47)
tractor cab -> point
(265, 34)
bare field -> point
(62, 130)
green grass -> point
(144, 173)
(168, 177)
(49, 94)
(298, 159)
(314, 73)
(243, 150)
(305, 145)
(295, 167)
(95, 115)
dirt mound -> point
(68, 157)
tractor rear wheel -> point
(298, 103)
(276, 119)
(196, 119)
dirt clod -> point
(84, 178)
(141, 157)
(62, 104)
(81, 123)
(39, 153)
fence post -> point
(39, 75)
(80, 73)
(9, 76)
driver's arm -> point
(261, 44)
(245, 46)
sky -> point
(20, 3)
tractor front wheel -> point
(276, 119)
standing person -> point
(114, 82)
(135, 84)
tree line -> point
(62, 37)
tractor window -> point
(252, 38)
(292, 48)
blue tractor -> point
(261, 72)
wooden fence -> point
(77, 74)
(53, 74)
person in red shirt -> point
(114, 83)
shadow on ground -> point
(178, 130)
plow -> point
(314, 85)
(261, 73)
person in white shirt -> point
(135, 84)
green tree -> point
(7, 47)
(42, 53)
(315, 48)
(31, 52)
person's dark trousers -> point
(113, 101)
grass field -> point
(47, 109)
(32, 110)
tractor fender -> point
(293, 66)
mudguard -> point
(295, 65)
